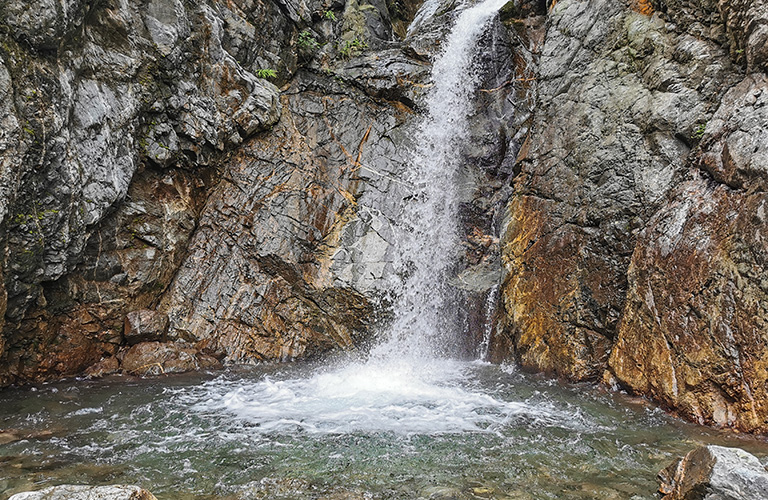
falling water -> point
(425, 312)
(489, 311)
(408, 385)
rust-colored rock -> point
(107, 366)
(610, 138)
(714, 473)
(144, 325)
(156, 358)
(552, 326)
(694, 335)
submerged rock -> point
(78, 492)
(715, 473)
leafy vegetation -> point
(698, 132)
(307, 41)
(352, 47)
(330, 15)
(266, 73)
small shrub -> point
(352, 47)
(266, 73)
(307, 41)
(330, 15)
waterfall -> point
(407, 386)
(489, 311)
(429, 245)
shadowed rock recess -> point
(164, 206)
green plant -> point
(266, 73)
(307, 41)
(330, 15)
(352, 47)
(698, 132)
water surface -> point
(442, 429)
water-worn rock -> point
(80, 492)
(144, 325)
(107, 366)
(715, 473)
(259, 281)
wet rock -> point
(715, 473)
(620, 95)
(43, 24)
(11, 435)
(261, 280)
(78, 492)
(156, 358)
(144, 325)
(107, 366)
(90, 111)
(693, 335)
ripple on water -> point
(391, 432)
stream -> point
(345, 430)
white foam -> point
(371, 398)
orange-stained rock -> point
(107, 366)
(617, 109)
(713, 473)
(694, 335)
(156, 358)
(144, 325)
(552, 324)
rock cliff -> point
(634, 243)
(184, 183)
(159, 188)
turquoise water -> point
(447, 429)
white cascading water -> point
(425, 311)
(407, 385)
(483, 350)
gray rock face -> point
(620, 95)
(77, 492)
(150, 168)
(715, 473)
(95, 107)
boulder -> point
(80, 492)
(144, 325)
(107, 366)
(155, 358)
(715, 473)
